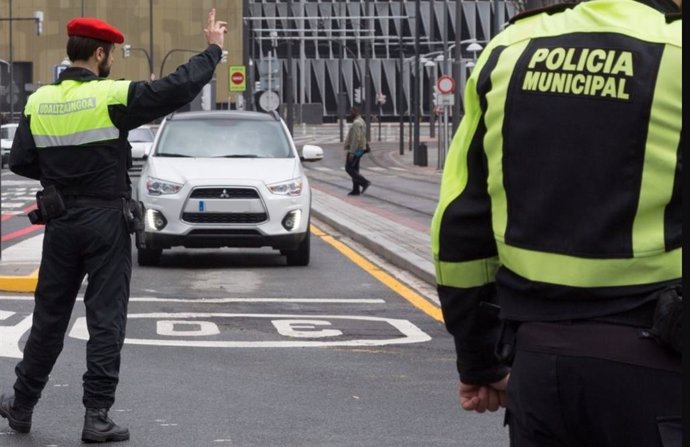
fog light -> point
(292, 220)
(155, 220)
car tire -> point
(300, 256)
(148, 256)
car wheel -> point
(300, 256)
(148, 256)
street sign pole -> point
(446, 87)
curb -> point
(24, 284)
(19, 265)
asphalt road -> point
(230, 347)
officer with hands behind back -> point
(73, 138)
(557, 237)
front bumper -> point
(254, 221)
(202, 238)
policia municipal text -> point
(73, 137)
(557, 237)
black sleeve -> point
(155, 99)
(24, 155)
(474, 324)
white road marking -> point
(410, 333)
(13, 204)
(10, 336)
(305, 328)
(151, 299)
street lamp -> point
(430, 64)
(127, 49)
(474, 47)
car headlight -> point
(289, 188)
(157, 187)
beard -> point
(103, 69)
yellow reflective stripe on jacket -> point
(75, 112)
(467, 274)
(657, 185)
(584, 272)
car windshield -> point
(8, 132)
(216, 138)
(140, 135)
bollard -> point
(422, 156)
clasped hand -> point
(481, 398)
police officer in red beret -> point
(73, 138)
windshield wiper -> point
(238, 156)
(173, 155)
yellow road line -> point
(414, 298)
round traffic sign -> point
(445, 84)
(237, 78)
(269, 100)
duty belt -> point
(92, 202)
(640, 317)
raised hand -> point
(215, 30)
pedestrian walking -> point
(557, 237)
(73, 138)
(356, 146)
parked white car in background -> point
(226, 179)
(141, 140)
(6, 137)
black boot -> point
(98, 427)
(18, 416)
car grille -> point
(224, 193)
(225, 232)
(224, 218)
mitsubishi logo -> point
(224, 194)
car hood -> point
(181, 170)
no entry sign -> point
(237, 79)
(445, 84)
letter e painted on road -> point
(305, 328)
(10, 335)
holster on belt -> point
(505, 345)
(667, 328)
(134, 216)
(50, 205)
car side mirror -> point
(145, 157)
(311, 153)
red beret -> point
(95, 29)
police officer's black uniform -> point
(91, 239)
(561, 204)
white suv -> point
(225, 179)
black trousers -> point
(573, 398)
(352, 168)
(85, 241)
